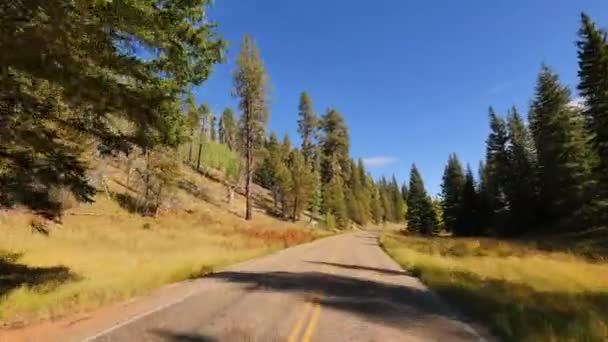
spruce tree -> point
(522, 186)
(452, 189)
(469, 216)
(496, 177)
(421, 215)
(593, 74)
(560, 140)
(251, 87)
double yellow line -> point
(315, 307)
(311, 306)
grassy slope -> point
(102, 253)
(521, 293)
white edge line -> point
(138, 317)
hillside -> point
(105, 252)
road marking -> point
(313, 323)
(296, 329)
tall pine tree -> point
(451, 193)
(593, 74)
(421, 215)
(560, 140)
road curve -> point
(342, 288)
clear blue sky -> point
(413, 79)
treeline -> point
(321, 177)
(548, 171)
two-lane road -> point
(343, 288)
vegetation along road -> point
(339, 288)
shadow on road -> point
(182, 337)
(388, 304)
(362, 268)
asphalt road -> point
(343, 288)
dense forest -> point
(90, 80)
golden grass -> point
(101, 253)
(521, 293)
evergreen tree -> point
(377, 210)
(302, 184)
(335, 202)
(335, 146)
(469, 216)
(397, 199)
(251, 87)
(421, 215)
(560, 140)
(228, 130)
(193, 118)
(203, 113)
(497, 170)
(308, 124)
(593, 74)
(70, 71)
(452, 190)
(521, 188)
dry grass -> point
(101, 253)
(521, 293)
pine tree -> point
(397, 199)
(560, 141)
(302, 184)
(593, 74)
(70, 70)
(377, 211)
(335, 202)
(421, 215)
(469, 216)
(228, 130)
(203, 113)
(335, 146)
(496, 170)
(522, 186)
(452, 190)
(251, 87)
(193, 118)
(308, 125)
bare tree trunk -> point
(294, 217)
(249, 166)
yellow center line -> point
(313, 323)
(296, 329)
(314, 318)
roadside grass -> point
(102, 253)
(521, 293)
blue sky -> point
(413, 79)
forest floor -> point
(555, 290)
(104, 252)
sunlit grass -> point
(521, 293)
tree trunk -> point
(249, 179)
(198, 160)
(294, 217)
(249, 166)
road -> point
(342, 288)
